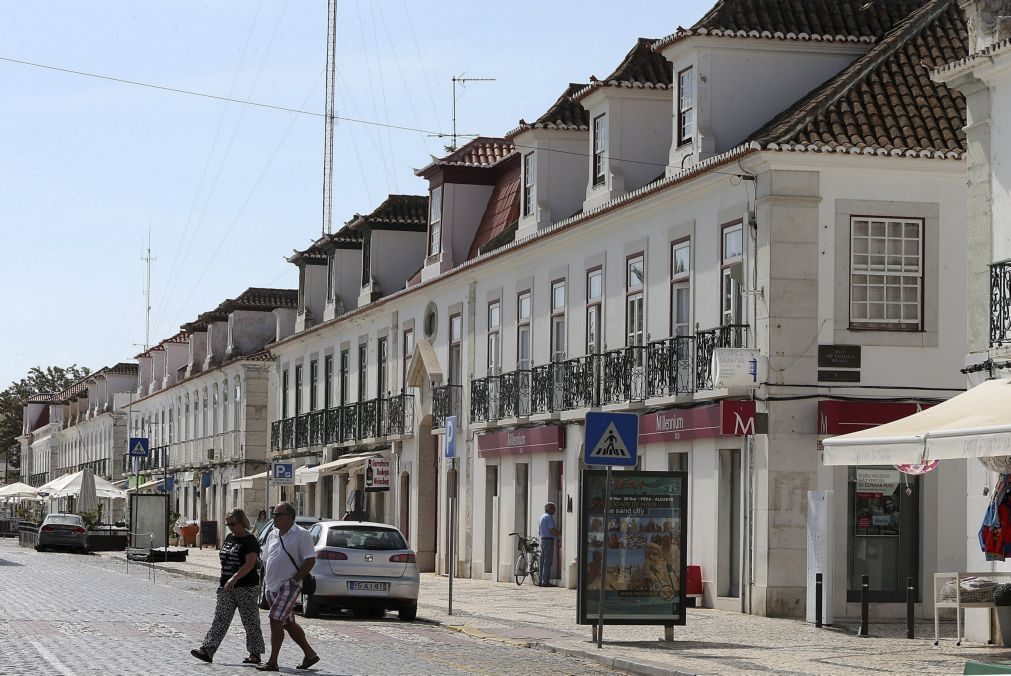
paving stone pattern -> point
(81, 615)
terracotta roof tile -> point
(481, 152)
(821, 20)
(565, 113)
(885, 102)
(396, 211)
(642, 68)
(41, 398)
(262, 299)
(503, 208)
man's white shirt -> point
(279, 567)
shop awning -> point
(306, 475)
(149, 484)
(344, 464)
(974, 424)
(247, 481)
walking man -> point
(289, 557)
(548, 531)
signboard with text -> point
(729, 418)
(645, 530)
(377, 475)
(283, 473)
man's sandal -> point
(308, 662)
(267, 666)
(252, 659)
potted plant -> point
(173, 534)
(1002, 601)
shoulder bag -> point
(308, 582)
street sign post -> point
(283, 473)
(611, 439)
(451, 454)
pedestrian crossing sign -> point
(611, 439)
(138, 447)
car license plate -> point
(369, 586)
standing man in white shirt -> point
(548, 531)
(289, 556)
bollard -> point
(817, 600)
(865, 592)
(910, 600)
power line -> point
(190, 92)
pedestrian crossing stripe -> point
(610, 445)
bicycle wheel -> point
(520, 570)
(535, 567)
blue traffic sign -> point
(451, 436)
(611, 439)
(138, 447)
(284, 473)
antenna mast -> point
(463, 80)
(328, 125)
(147, 292)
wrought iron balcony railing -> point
(1000, 304)
(446, 401)
(669, 366)
(399, 417)
(624, 375)
(729, 335)
(275, 435)
(97, 466)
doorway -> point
(490, 493)
(556, 494)
(521, 499)
(728, 557)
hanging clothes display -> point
(995, 532)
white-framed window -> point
(528, 184)
(594, 298)
(494, 338)
(558, 332)
(382, 368)
(731, 267)
(313, 384)
(599, 149)
(328, 381)
(635, 311)
(345, 376)
(886, 273)
(523, 331)
(363, 371)
(435, 221)
(455, 349)
(686, 106)
(408, 353)
(680, 287)
(298, 389)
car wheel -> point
(39, 548)
(408, 613)
(311, 607)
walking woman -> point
(239, 586)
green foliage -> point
(38, 380)
(1002, 594)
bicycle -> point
(529, 560)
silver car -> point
(63, 530)
(366, 567)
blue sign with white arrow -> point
(611, 439)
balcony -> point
(99, 467)
(372, 419)
(446, 401)
(1000, 304)
(662, 368)
(730, 335)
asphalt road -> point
(74, 614)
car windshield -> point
(364, 537)
(65, 519)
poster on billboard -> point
(377, 475)
(644, 558)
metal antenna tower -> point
(147, 292)
(463, 80)
(328, 125)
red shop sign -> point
(521, 441)
(726, 419)
(842, 417)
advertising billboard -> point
(638, 548)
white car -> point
(366, 567)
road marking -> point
(51, 659)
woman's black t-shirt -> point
(233, 555)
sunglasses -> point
(231, 524)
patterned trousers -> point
(245, 599)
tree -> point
(52, 379)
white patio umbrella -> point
(18, 490)
(69, 485)
(87, 499)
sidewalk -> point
(713, 642)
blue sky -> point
(228, 190)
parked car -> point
(63, 530)
(303, 521)
(366, 567)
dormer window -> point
(528, 184)
(686, 106)
(435, 222)
(599, 148)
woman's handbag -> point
(308, 582)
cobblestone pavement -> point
(75, 615)
(712, 642)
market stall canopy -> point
(147, 484)
(974, 424)
(19, 490)
(344, 463)
(69, 485)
